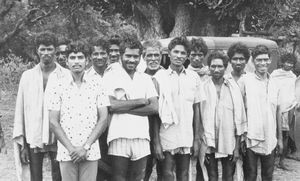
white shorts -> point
(134, 149)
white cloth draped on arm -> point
(285, 80)
(31, 116)
(166, 109)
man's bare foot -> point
(293, 156)
(282, 166)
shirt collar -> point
(196, 68)
(170, 71)
(225, 82)
(159, 68)
(230, 76)
(92, 71)
(84, 79)
(57, 67)
(259, 78)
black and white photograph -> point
(150, 90)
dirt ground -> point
(7, 168)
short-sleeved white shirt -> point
(78, 112)
(92, 74)
(186, 90)
(261, 101)
(120, 85)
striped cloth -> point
(134, 149)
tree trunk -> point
(206, 23)
(148, 20)
(182, 20)
(242, 28)
(73, 26)
(202, 23)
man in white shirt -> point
(31, 124)
(198, 53)
(99, 58)
(224, 119)
(286, 79)
(133, 98)
(152, 56)
(78, 112)
(180, 94)
(264, 122)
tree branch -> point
(11, 34)
(27, 20)
(6, 10)
(40, 17)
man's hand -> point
(236, 155)
(196, 148)
(158, 151)
(2, 145)
(141, 101)
(280, 146)
(25, 155)
(243, 147)
(78, 154)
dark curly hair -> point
(46, 38)
(132, 43)
(198, 44)
(63, 41)
(288, 57)
(238, 48)
(218, 54)
(181, 40)
(78, 46)
(114, 40)
(100, 42)
(260, 49)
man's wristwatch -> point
(87, 147)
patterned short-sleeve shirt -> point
(78, 112)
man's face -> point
(99, 57)
(114, 53)
(46, 54)
(152, 58)
(130, 59)
(238, 62)
(178, 55)
(217, 68)
(262, 63)
(196, 58)
(76, 62)
(61, 55)
(287, 66)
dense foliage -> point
(20, 20)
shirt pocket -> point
(228, 105)
(227, 102)
(189, 92)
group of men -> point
(132, 119)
